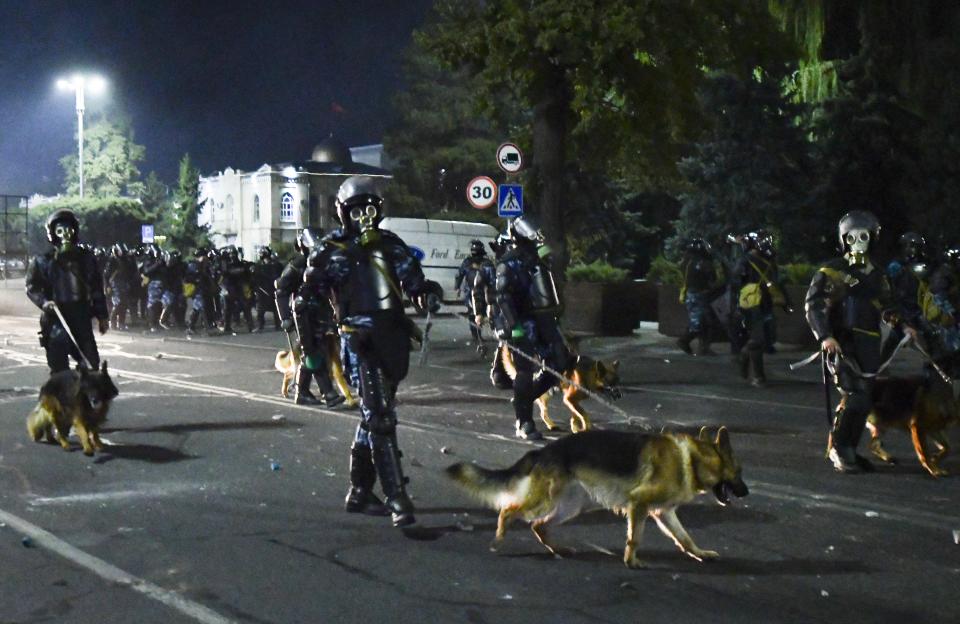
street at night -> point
(217, 494)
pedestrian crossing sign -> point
(510, 200)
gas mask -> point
(857, 241)
(67, 236)
(366, 220)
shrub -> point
(798, 274)
(663, 271)
(596, 272)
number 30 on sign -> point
(482, 192)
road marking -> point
(770, 490)
(858, 507)
(100, 497)
(113, 574)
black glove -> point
(287, 325)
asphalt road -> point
(185, 519)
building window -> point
(286, 207)
(256, 208)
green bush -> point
(797, 274)
(596, 272)
(663, 271)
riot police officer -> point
(486, 283)
(700, 285)
(845, 304)
(265, 274)
(66, 279)
(942, 309)
(120, 275)
(198, 288)
(757, 284)
(475, 302)
(312, 318)
(529, 308)
(367, 271)
(235, 283)
(172, 300)
(908, 275)
(154, 271)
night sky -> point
(234, 84)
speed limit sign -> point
(482, 192)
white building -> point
(267, 206)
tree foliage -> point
(751, 169)
(610, 83)
(179, 224)
(440, 141)
(103, 220)
(111, 161)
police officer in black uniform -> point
(701, 284)
(845, 304)
(529, 308)
(908, 274)
(235, 280)
(265, 274)
(312, 318)
(758, 288)
(367, 271)
(465, 281)
(198, 288)
(67, 278)
(121, 276)
(944, 312)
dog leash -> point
(558, 375)
(66, 328)
(831, 364)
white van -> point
(441, 246)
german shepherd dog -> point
(78, 398)
(633, 474)
(287, 362)
(924, 408)
(594, 375)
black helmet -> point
(265, 253)
(858, 220)
(759, 240)
(65, 217)
(501, 245)
(476, 248)
(118, 250)
(308, 238)
(697, 246)
(951, 255)
(359, 203)
(912, 246)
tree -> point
(752, 169)
(110, 161)
(180, 222)
(155, 196)
(623, 70)
(440, 140)
(103, 220)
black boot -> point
(386, 459)
(360, 498)
(154, 314)
(684, 342)
(743, 361)
(758, 377)
(304, 396)
(331, 398)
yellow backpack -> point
(928, 305)
(752, 294)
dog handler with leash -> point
(845, 304)
(367, 270)
(66, 285)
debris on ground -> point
(872, 514)
(274, 465)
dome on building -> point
(330, 150)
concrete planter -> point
(791, 328)
(614, 309)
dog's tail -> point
(496, 488)
(40, 418)
(278, 361)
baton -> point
(426, 338)
(826, 389)
(66, 328)
(276, 304)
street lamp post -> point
(78, 83)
